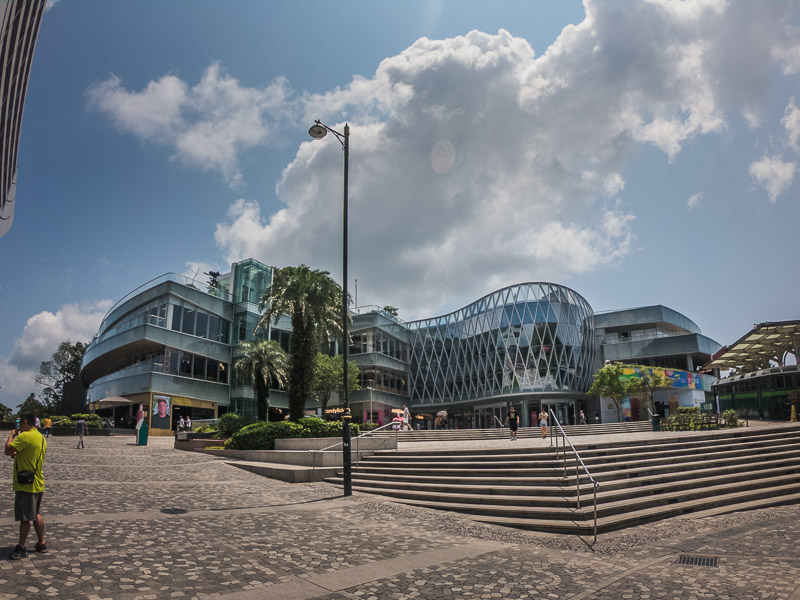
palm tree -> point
(264, 362)
(313, 302)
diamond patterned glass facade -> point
(532, 337)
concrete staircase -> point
(646, 480)
(447, 435)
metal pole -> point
(595, 513)
(346, 458)
(577, 481)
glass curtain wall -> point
(534, 337)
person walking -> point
(48, 425)
(582, 419)
(543, 423)
(27, 447)
(512, 421)
(406, 417)
(181, 424)
(81, 429)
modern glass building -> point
(174, 341)
(19, 29)
(529, 345)
(656, 336)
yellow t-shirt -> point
(47, 422)
(30, 445)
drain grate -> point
(698, 561)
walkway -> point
(127, 522)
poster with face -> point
(160, 412)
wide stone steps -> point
(443, 435)
(638, 482)
(563, 496)
(487, 490)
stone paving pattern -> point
(127, 522)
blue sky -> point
(637, 152)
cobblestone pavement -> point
(127, 522)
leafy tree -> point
(6, 414)
(313, 302)
(32, 405)
(328, 375)
(264, 363)
(392, 310)
(650, 379)
(611, 382)
(62, 368)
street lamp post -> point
(318, 131)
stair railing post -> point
(595, 513)
(577, 483)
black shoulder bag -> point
(26, 477)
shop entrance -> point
(565, 411)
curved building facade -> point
(530, 344)
(171, 344)
(18, 32)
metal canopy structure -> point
(767, 344)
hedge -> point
(262, 435)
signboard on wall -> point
(160, 411)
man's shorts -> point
(27, 505)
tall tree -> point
(31, 405)
(611, 382)
(328, 376)
(313, 302)
(264, 363)
(63, 367)
(6, 414)
(651, 379)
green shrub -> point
(92, 420)
(262, 435)
(230, 423)
(207, 428)
(731, 418)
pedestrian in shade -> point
(512, 420)
(543, 423)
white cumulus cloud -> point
(694, 200)
(475, 163)
(773, 174)
(44, 331)
(207, 126)
(41, 336)
(791, 123)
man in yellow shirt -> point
(47, 423)
(27, 447)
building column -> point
(526, 415)
(689, 363)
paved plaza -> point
(128, 522)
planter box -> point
(367, 443)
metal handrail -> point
(365, 434)
(578, 461)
